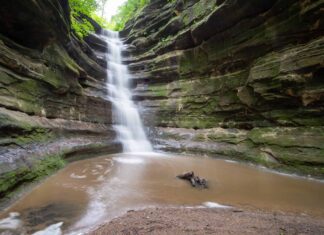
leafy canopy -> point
(81, 26)
(83, 6)
(128, 10)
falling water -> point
(127, 122)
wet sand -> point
(198, 221)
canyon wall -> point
(52, 91)
(233, 78)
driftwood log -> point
(195, 181)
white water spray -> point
(127, 122)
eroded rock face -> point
(52, 87)
(249, 67)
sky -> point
(111, 8)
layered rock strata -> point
(235, 78)
(52, 89)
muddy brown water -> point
(91, 191)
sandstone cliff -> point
(52, 90)
(235, 78)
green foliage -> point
(81, 26)
(101, 21)
(128, 10)
(83, 6)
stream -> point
(89, 192)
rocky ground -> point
(210, 221)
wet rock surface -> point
(52, 87)
(290, 149)
(40, 218)
(248, 69)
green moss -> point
(26, 95)
(36, 135)
(296, 116)
(21, 126)
(311, 137)
(18, 131)
(41, 168)
(235, 136)
(197, 11)
(195, 60)
(8, 180)
(290, 167)
(159, 90)
(290, 159)
(59, 57)
(195, 122)
(46, 167)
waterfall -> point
(126, 119)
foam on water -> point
(54, 229)
(214, 205)
(230, 161)
(129, 160)
(75, 176)
(12, 222)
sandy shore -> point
(210, 221)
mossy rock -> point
(311, 137)
(233, 136)
(38, 170)
(195, 60)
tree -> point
(80, 8)
(128, 10)
(84, 6)
(102, 7)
